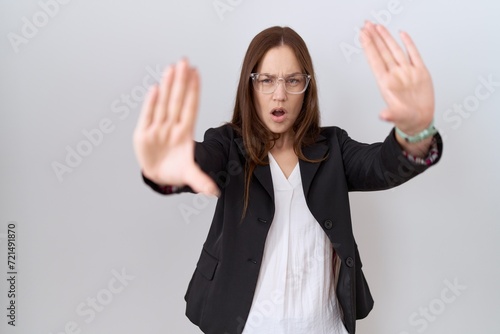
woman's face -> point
(279, 110)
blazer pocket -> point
(197, 294)
(207, 265)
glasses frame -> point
(255, 76)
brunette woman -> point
(280, 255)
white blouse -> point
(295, 292)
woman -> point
(280, 256)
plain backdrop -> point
(99, 252)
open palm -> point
(403, 80)
(163, 138)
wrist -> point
(425, 157)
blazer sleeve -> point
(379, 166)
(211, 155)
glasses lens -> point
(267, 84)
(264, 83)
(296, 83)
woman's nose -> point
(280, 92)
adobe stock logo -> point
(92, 306)
(201, 201)
(30, 28)
(383, 16)
(221, 7)
(421, 320)
(120, 108)
(460, 111)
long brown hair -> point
(258, 140)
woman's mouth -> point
(278, 115)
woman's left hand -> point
(403, 79)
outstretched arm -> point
(404, 82)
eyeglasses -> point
(267, 83)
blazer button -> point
(328, 224)
(349, 262)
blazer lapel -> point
(261, 173)
(308, 169)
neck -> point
(284, 143)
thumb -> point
(386, 115)
(200, 182)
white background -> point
(74, 231)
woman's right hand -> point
(163, 137)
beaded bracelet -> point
(431, 157)
(426, 133)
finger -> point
(392, 45)
(382, 48)
(201, 182)
(373, 56)
(414, 55)
(160, 113)
(190, 107)
(179, 87)
(148, 109)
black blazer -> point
(220, 293)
